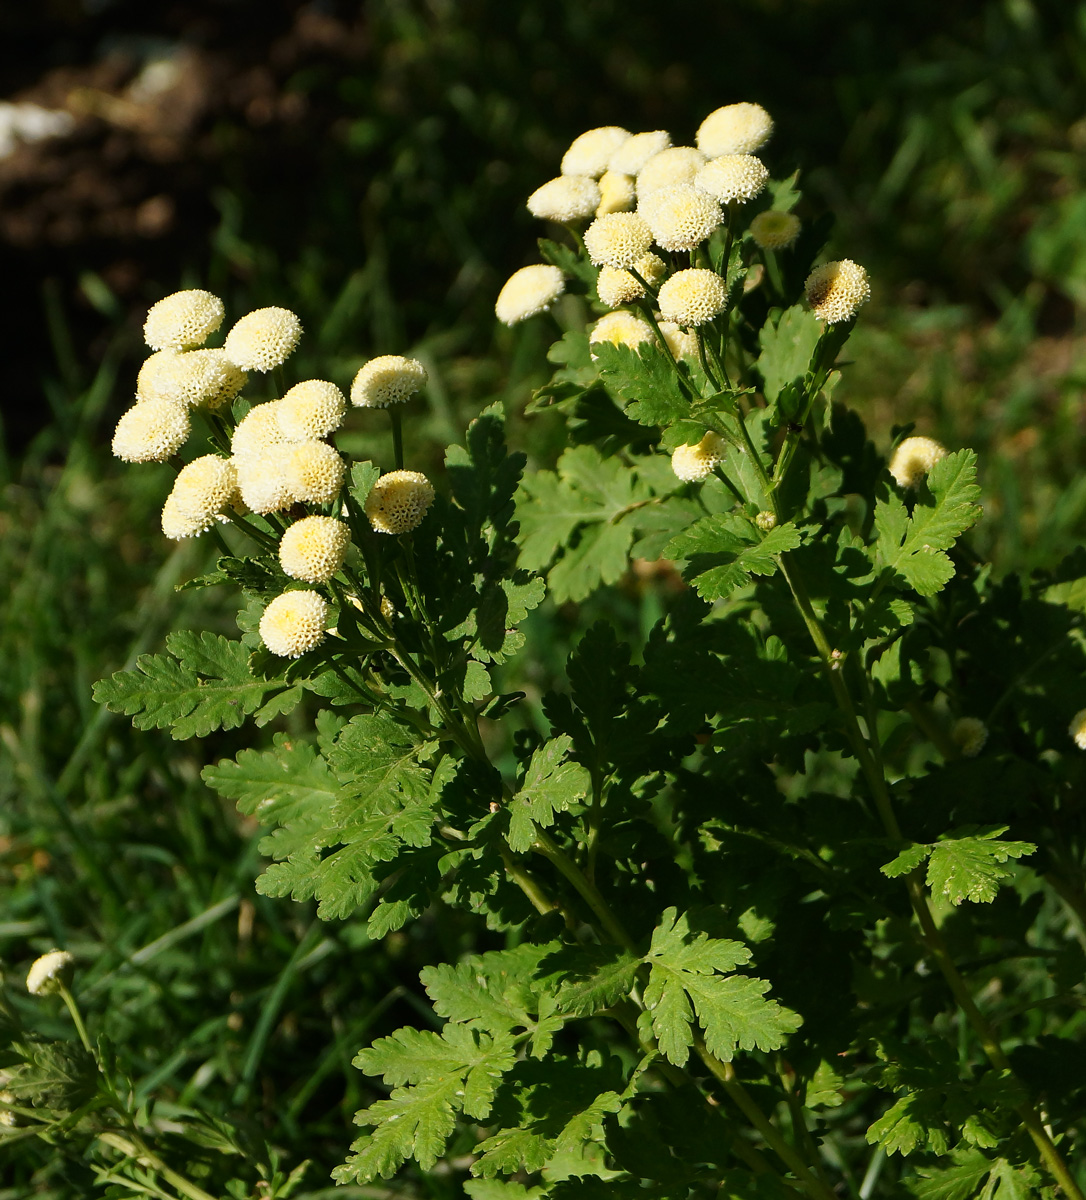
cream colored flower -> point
(263, 339)
(310, 410)
(615, 287)
(692, 297)
(7, 1118)
(398, 501)
(314, 472)
(528, 292)
(621, 329)
(969, 734)
(565, 198)
(313, 548)
(632, 155)
(183, 320)
(618, 193)
(263, 478)
(680, 216)
(202, 489)
(836, 290)
(1077, 728)
(683, 343)
(389, 379)
(176, 524)
(151, 431)
(257, 432)
(913, 459)
(732, 178)
(50, 972)
(590, 154)
(617, 240)
(694, 463)
(774, 230)
(677, 164)
(735, 129)
(293, 623)
(193, 377)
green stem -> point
(914, 883)
(135, 1147)
(77, 1018)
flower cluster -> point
(279, 455)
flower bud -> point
(50, 972)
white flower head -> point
(257, 432)
(913, 459)
(775, 230)
(692, 297)
(683, 343)
(293, 623)
(314, 472)
(388, 379)
(680, 216)
(398, 501)
(202, 489)
(615, 287)
(618, 193)
(194, 377)
(263, 479)
(969, 734)
(632, 155)
(694, 463)
(50, 972)
(183, 320)
(677, 164)
(310, 410)
(735, 129)
(590, 154)
(263, 339)
(732, 178)
(565, 198)
(313, 548)
(617, 240)
(151, 431)
(836, 290)
(621, 329)
(528, 292)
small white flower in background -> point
(1077, 728)
(48, 973)
(735, 129)
(694, 463)
(677, 164)
(692, 297)
(293, 623)
(774, 230)
(263, 339)
(311, 410)
(632, 155)
(528, 292)
(621, 329)
(969, 734)
(617, 239)
(389, 379)
(30, 123)
(732, 178)
(313, 548)
(914, 458)
(183, 320)
(680, 216)
(565, 198)
(151, 431)
(618, 193)
(398, 501)
(836, 290)
(591, 153)
(7, 1117)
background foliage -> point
(368, 165)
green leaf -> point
(568, 260)
(915, 1120)
(824, 1088)
(201, 684)
(787, 347)
(363, 476)
(550, 785)
(908, 860)
(914, 547)
(646, 379)
(689, 977)
(959, 1182)
(456, 1071)
(967, 866)
(594, 978)
(724, 551)
(496, 991)
(512, 1150)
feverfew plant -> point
(792, 892)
